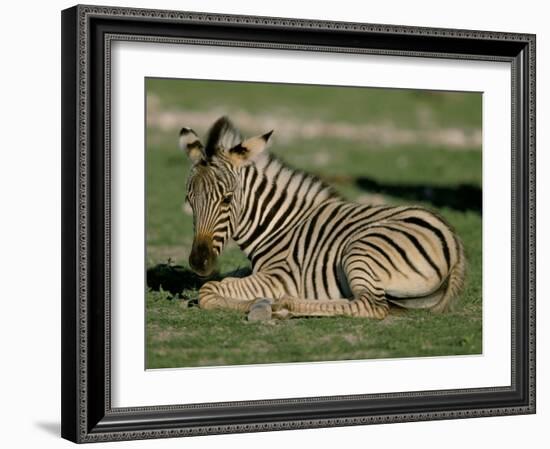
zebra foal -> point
(312, 252)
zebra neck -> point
(275, 198)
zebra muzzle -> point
(202, 258)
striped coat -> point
(312, 252)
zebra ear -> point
(245, 152)
(190, 143)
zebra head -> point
(213, 188)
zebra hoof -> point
(260, 310)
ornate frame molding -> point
(88, 32)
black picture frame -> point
(87, 32)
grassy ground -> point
(179, 334)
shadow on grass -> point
(464, 197)
(176, 278)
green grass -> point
(179, 334)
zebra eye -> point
(227, 198)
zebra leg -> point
(365, 280)
(368, 299)
(293, 308)
(363, 304)
(254, 293)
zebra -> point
(312, 252)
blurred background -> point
(374, 146)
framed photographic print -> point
(276, 224)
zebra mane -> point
(332, 192)
(222, 135)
